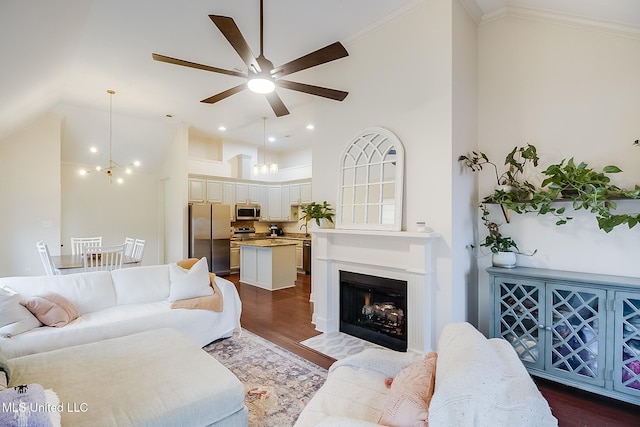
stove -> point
(244, 233)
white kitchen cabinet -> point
(229, 198)
(299, 256)
(285, 205)
(214, 191)
(305, 193)
(264, 203)
(274, 203)
(196, 190)
(268, 267)
(234, 261)
(300, 193)
(248, 194)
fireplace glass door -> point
(374, 309)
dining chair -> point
(128, 246)
(103, 258)
(49, 268)
(138, 250)
(78, 244)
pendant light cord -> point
(110, 92)
(264, 140)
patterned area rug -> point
(278, 384)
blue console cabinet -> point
(578, 329)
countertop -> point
(297, 237)
(267, 243)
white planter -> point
(323, 224)
(505, 188)
(504, 259)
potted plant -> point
(318, 212)
(503, 248)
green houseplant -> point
(316, 211)
(508, 184)
(509, 191)
(503, 248)
(585, 187)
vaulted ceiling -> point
(63, 56)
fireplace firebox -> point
(374, 309)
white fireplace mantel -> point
(394, 254)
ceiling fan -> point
(261, 75)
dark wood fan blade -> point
(321, 56)
(176, 61)
(277, 105)
(227, 93)
(231, 32)
(324, 92)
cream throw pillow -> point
(190, 283)
(407, 403)
(14, 318)
(52, 309)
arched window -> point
(372, 169)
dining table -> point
(68, 264)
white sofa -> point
(157, 378)
(115, 304)
(478, 382)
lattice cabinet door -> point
(519, 305)
(626, 364)
(576, 317)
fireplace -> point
(374, 309)
(401, 255)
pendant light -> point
(113, 168)
(264, 168)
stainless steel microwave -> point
(247, 212)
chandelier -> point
(264, 167)
(113, 167)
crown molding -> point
(472, 8)
(548, 16)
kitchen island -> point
(268, 264)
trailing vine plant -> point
(585, 187)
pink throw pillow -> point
(407, 404)
(52, 309)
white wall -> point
(203, 146)
(464, 139)
(30, 194)
(572, 92)
(93, 207)
(400, 77)
(174, 178)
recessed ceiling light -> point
(222, 128)
(310, 126)
(271, 139)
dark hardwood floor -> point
(284, 318)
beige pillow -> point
(407, 403)
(190, 283)
(52, 309)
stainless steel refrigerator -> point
(209, 235)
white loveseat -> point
(115, 304)
(478, 382)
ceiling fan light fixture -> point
(261, 84)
